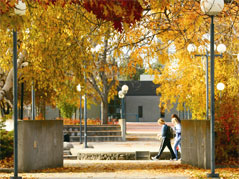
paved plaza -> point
(140, 137)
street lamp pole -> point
(22, 97)
(122, 94)
(33, 102)
(85, 121)
(80, 121)
(122, 103)
(221, 48)
(80, 112)
(212, 174)
(85, 117)
(15, 105)
(212, 8)
(20, 9)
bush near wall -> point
(68, 121)
(227, 133)
(6, 144)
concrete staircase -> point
(95, 133)
(142, 137)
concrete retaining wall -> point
(40, 144)
(196, 143)
(137, 155)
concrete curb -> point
(6, 170)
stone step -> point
(66, 152)
(92, 127)
(96, 138)
(137, 155)
(70, 157)
(97, 133)
(141, 137)
(142, 155)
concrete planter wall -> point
(196, 143)
(40, 144)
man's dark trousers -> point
(165, 142)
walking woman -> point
(165, 141)
(177, 127)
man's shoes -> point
(154, 158)
(173, 159)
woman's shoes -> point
(154, 158)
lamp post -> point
(33, 101)
(22, 97)
(85, 115)
(19, 9)
(211, 8)
(80, 112)
(221, 48)
(122, 94)
(220, 87)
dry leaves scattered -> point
(149, 169)
(6, 162)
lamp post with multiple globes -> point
(221, 48)
(122, 94)
(19, 9)
(212, 8)
(80, 112)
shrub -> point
(227, 133)
(66, 109)
(6, 144)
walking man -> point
(165, 141)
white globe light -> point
(221, 48)
(212, 7)
(121, 95)
(191, 48)
(220, 86)
(78, 87)
(125, 89)
(238, 56)
(20, 8)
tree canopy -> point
(66, 41)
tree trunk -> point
(104, 112)
(42, 110)
(9, 80)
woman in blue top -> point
(165, 141)
(177, 127)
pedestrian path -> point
(127, 146)
(139, 137)
(109, 169)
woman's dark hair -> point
(176, 116)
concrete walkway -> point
(139, 137)
(127, 146)
(108, 169)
